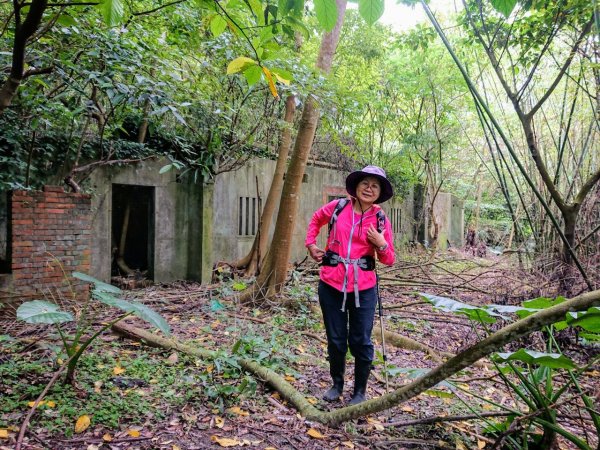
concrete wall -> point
(449, 214)
(320, 185)
(178, 225)
(457, 222)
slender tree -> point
(251, 262)
(273, 274)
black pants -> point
(352, 327)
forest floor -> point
(139, 397)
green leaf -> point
(371, 10)
(239, 286)
(138, 309)
(588, 320)
(543, 302)
(472, 312)
(236, 346)
(504, 6)
(552, 360)
(298, 25)
(165, 169)
(240, 64)
(536, 304)
(40, 311)
(252, 74)
(256, 7)
(66, 21)
(112, 11)
(590, 337)
(296, 7)
(151, 316)
(217, 25)
(283, 76)
(327, 12)
(98, 285)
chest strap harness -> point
(366, 262)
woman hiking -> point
(358, 230)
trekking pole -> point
(387, 387)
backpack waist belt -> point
(366, 262)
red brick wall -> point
(51, 233)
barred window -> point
(248, 216)
(396, 219)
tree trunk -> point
(251, 262)
(123, 242)
(272, 276)
(23, 31)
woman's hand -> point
(375, 237)
(315, 252)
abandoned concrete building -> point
(165, 228)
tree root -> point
(454, 365)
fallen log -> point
(464, 359)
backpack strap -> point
(341, 204)
(380, 221)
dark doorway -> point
(132, 231)
(5, 233)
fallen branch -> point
(466, 358)
(440, 419)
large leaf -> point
(40, 311)
(472, 312)
(296, 7)
(537, 304)
(217, 25)
(252, 74)
(552, 360)
(504, 6)
(98, 285)
(534, 305)
(256, 7)
(588, 320)
(240, 64)
(151, 316)
(137, 309)
(327, 12)
(371, 10)
(112, 11)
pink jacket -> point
(349, 222)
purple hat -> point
(354, 178)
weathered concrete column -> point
(206, 227)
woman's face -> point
(368, 190)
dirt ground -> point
(220, 407)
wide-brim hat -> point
(354, 178)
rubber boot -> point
(361, 376)
(337, 367)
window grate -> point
(247, 216)
(396, 219)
